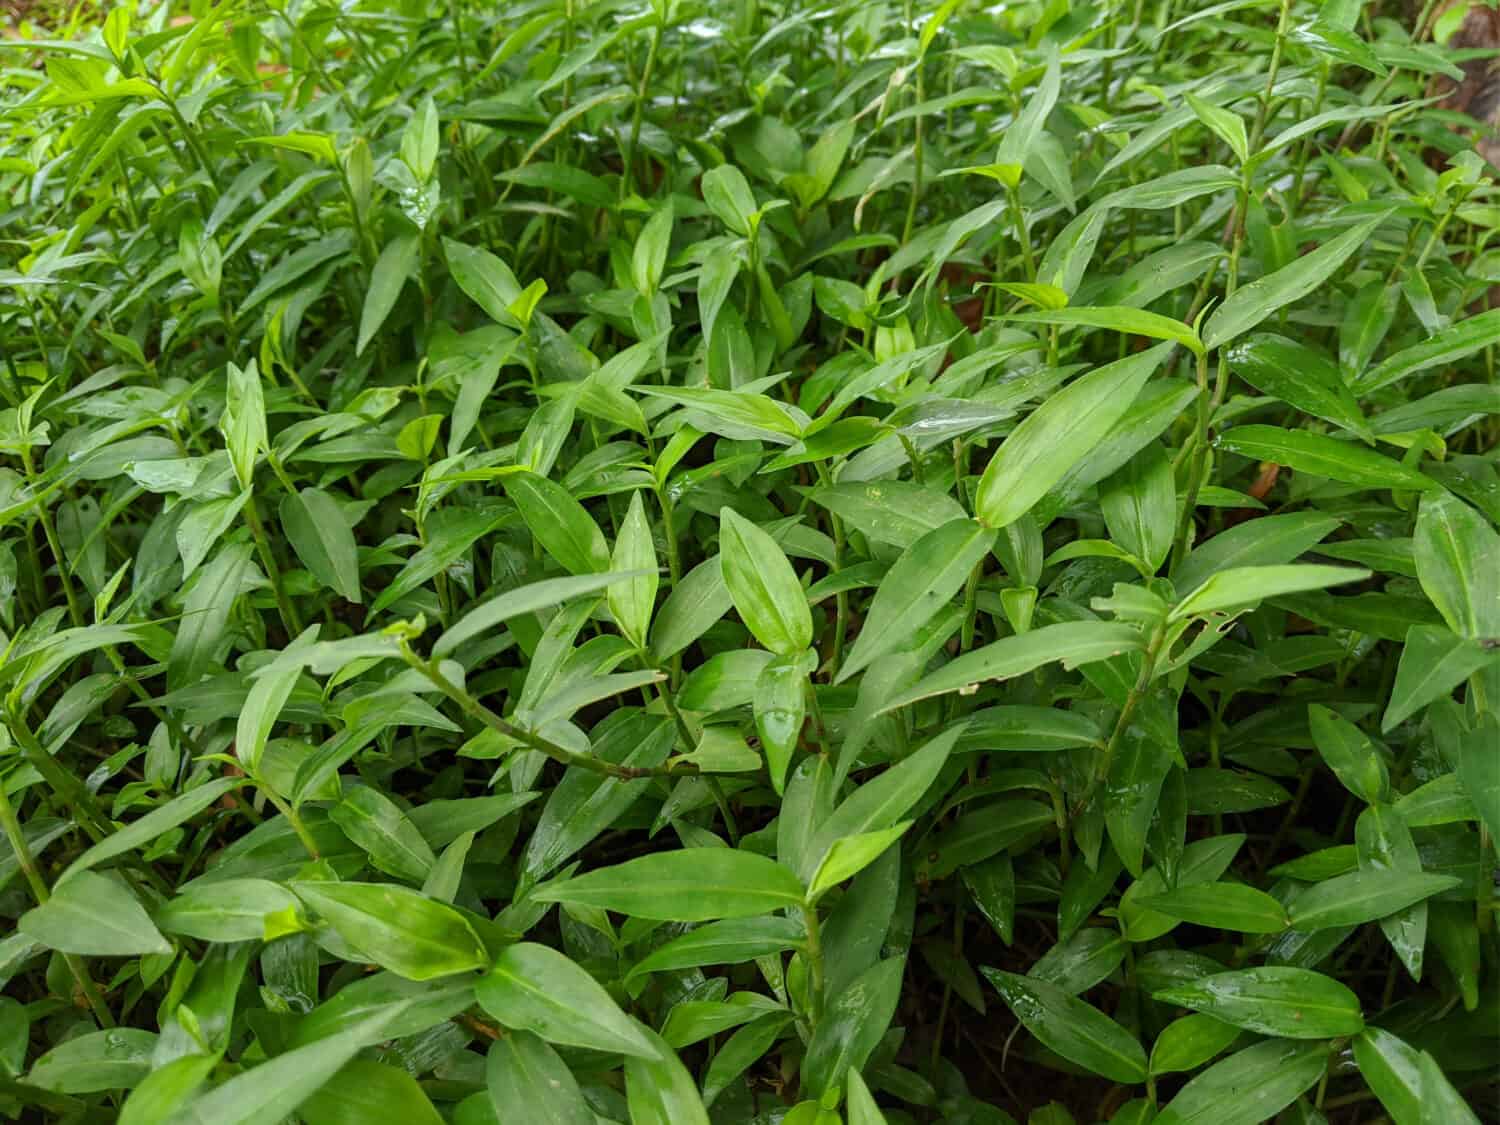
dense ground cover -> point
(749, 562)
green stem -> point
(814, 951)
(295, 820)
(1127, 712)
(669, 533)
(289, 619)
(1023, 236)
(27, 862)
(563, 756)
(627, 178)
(44, 514)
(1263, 112)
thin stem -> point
(1023, 236)
(295, 820)
(44, 514)
(12, 828)
(627, 178)
(473, 708)
(1127, 712)
(814, 952)
(289, 619)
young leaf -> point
(921, 582)
(632, 600)
(398, 928)
(1251, 304)
(697, 885)
(1056, 435)
(560, 523)
(763, 586)
(316, 529)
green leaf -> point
(1226, 124)
(366, 1090)
(376, 823)
(1227, 906)
(659, 1090)
(728, 195)
(1299, 377)
(1350, 753)
(696, 885)
(1071, 642)
(849, 855)
(93, 915)
(1060, 432)
(1189, 1042)
(397, 928)
(560, 523)
(177, 811)
(730, 942)
(1251, 304)
(1124, 319)
(1458, 555)
(1447, 347)
(485, 278)
(763, 586)
(1433, 662)
(1274, 1000)
(265, 1094)
(168, 1087)
(521, 1070)
(1266, 541)
(1479, 771)
(1362, 896)
(1132, 788)
(316, 529)
(244, 421)
(523, 600)
(1321, 456)
(95, 1060)
(922, 581)
(740, 414)
(205, 612)
(387, 279)
(1247, 585)
(852, 1025)
(1020, 136)
(1139, 505)
(879, 803)
(231, 910)
(533, 988)
(632, 601)
(780, 704)
(861, 1103)
(447, 543)
(1077, 1031)
(1248, 1087)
